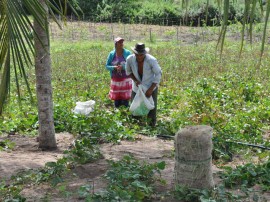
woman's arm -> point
(109, 65)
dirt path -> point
(26, 155)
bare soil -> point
(26, 155)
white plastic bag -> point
(141, 105)
(84, 107)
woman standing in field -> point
(121, 84)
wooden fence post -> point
(177, 34)
(150, 30)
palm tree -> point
(17, 47)
(43, 83)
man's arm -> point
(150, 90)
(134, 79)
(129, 71)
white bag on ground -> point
(141, 105)
(84, 107)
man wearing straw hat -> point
(144, 69)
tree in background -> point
(247, 19)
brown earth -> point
(26, 155)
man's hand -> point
(149, 92)
(137, 83)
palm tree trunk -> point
(44, 87)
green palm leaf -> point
(16, 46)
(16, 38)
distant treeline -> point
(158, 12)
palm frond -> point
(5, 80)
(16, 41)
(62, 10)
(16, 44)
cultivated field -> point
(229, 93)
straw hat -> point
(140, 48)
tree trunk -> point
(44, 87)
